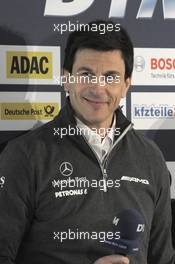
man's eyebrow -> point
(111, 73)
(85, 69)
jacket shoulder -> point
(144, 145)
(34, 139)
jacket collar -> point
(66, 119)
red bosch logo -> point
(162, 63)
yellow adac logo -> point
(29, 64)
(28, 111)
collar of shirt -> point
(100, 145)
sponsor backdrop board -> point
(33, 36)
(27, 110)
(29, 65)
(153, 110)
(155, 66)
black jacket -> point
(37, 204)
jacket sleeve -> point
(16, 200)
(160, 245)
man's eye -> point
(86, 74)
(110, 77)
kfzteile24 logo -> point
(30, 65)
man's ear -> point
(126, 86)
(65, 74)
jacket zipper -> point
(103, 166)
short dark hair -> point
(110, 40)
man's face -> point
(95, 103)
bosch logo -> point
(162, 63)
(66, 169)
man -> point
(66, 182)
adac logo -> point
(49, 110)
(29, 64)
(139, 63)
(66, 169)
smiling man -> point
(62, 196)
(94, 102)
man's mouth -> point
(95, 101)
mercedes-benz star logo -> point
(66, 168)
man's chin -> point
(93, 120)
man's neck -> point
(100, 128)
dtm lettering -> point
(162, 64)
(29, 64)
(153, 111)
(117, 8)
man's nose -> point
(98, 82)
